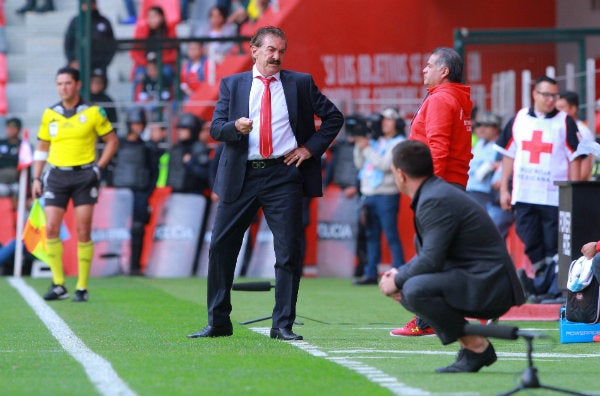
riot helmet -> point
(191, 122)
(136, 115)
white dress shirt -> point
(284, 140)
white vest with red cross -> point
(541, 156)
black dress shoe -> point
(470, 362)
(285, 334)
(365, 281)
(213, 331)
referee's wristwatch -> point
(38, 179)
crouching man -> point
(462, 268)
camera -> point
(364, 125)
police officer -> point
(136, 169)
(189, 162)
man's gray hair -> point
(448, 57)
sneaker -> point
(412, 330)
(596, 338)
(56, 292)
(81, 295)
(128, 21)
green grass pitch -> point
(139, 326)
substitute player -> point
(67, 142)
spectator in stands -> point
(380, 197)
(136, 168)
(9, 159)
(103, 40)
(131, 13)
(193, 70)
(485, 170)
(547, 150)
(569, 103)
(218, 27)
(98, 95)
(154, 88)
(154, 28)
(461, 269)
(183, 9)
(31, 5)
(189, 158)
(247, 10)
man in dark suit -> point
(462, 268)
(270, 168)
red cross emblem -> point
(536, 147)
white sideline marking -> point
(543, 355)
(373, 374)
(98, 369)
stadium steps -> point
(35, 52)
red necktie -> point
(266, 139)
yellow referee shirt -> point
(73, 134)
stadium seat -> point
(170, 7)
(2, 17)
(7, 220)
(3, 102)
(3, 69)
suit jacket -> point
(304, 101)
(454, 233)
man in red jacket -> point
(443, 122)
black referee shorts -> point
(80, 185)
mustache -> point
(274, 62)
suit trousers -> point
(426, 296)
(278, 191)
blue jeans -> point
(130, 6)
(502, 218)
(382, 215)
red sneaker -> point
(412, 330)
(596, 338)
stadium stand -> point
(3, 66)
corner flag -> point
(34, 233)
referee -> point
(67, 142)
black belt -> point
(73, 168)
(264, 163)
